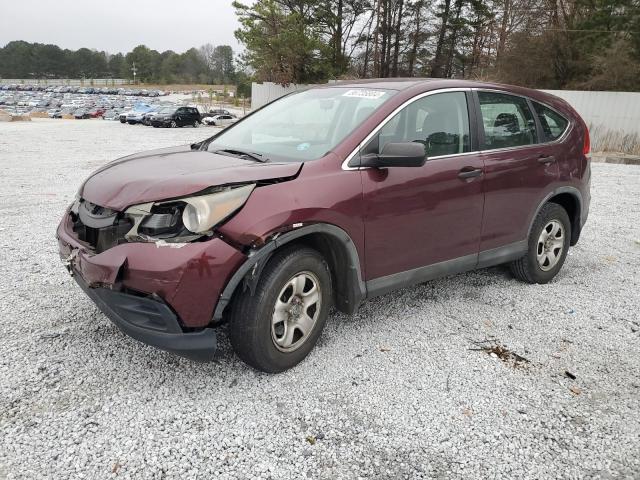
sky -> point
(119, 25)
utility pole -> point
(134, 70)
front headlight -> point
(185, 219)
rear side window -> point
(440, 122)
(553, 124)
(507, 119)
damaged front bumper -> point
(150, 321)
(158, 293)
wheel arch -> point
(333, 243)
(570, 199)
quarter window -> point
(507, 120)
(553, 124)
(440, 122)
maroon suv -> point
(327, 197)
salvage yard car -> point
(219, 120)
(325, 198)
(176, 117)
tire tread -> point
(245, 309)
(522, 268)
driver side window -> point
(440, 122)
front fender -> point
(354, 289)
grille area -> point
(99, 227)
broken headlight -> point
(185, 219)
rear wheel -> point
(276, 327)
(173, 124)
(548, 246)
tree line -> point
(207, 64)
(581, 44)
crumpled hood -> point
(173, 172)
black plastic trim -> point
(474, 128)
(151, 321)
(386, 284)
(582, 214)
(487, 258)
(252, 267)
(500, 255)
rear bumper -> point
(149, 320)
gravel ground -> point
(403, 389)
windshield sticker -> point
(361, 93)
(303, 146)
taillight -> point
(586, 147)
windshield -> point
(303, 126)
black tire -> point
(196, 124)
(173, 124)
(250, 328)
(527, 268)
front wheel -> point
(196, 124)
(547, 248)
(173, 124)
(276, 327)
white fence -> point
(613, 118)
(263, 93)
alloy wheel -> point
(296, 311)
(550, 245)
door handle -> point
(546, 159)
(469, 172)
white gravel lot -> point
(398, 391)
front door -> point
(424, 216)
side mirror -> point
(406, 154)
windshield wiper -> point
(241, 154)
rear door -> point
(420, 216)
(520, 168)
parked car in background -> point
(96, 112)
(134, 117)
(427, 178)
(219, 120)
(111, 115)
(146, 118)
(81, 114)
(218, 111)
(177, 117)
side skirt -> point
(497, 256)
(487, 258)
